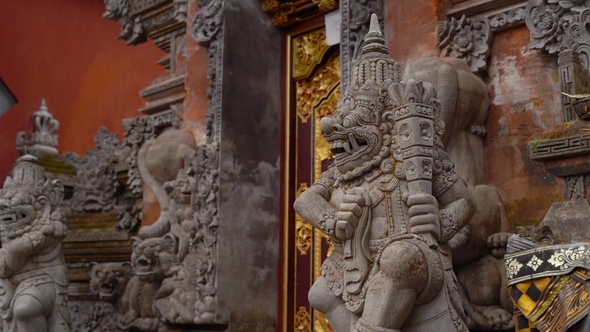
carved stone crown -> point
(27, 171)
(375, 70)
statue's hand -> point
(423, 214)
(350, 210)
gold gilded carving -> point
(313, 91)
(308, 52)
(320, 322)
(326, 5)
(302, 320)
(325, 108)
(303, 230)
(287, 13)
(302, 187)
(270, 6)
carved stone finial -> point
(374, 41)
(43, 141)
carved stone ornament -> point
(208, 20)
(508, 18)
(96, 187)
(43, 141)
(559, 25)
(468, 39)
(132, 30)
(33, 274)
(373, 168)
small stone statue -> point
(390, 203)
(33, 274)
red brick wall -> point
(524, 95)
(65, 52)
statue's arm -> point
(313, 205)
(456, 207)
(14, 255)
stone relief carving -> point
(96, 187)
(477, 248)
(92, 316)
(43, 141)
(355, 24)
(468, 39)
(559, 25)
(507, 19)
(207, 22)
(33, 274)
(132, 30)
(379, 225)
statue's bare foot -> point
(498, 318)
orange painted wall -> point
(65, 52)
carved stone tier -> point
(164, 22)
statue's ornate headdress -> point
(28, 200)
(372, 74)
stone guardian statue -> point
(33, 274)
(390, 203)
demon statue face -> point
(109, 280)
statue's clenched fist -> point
(350, 211)
(423, 214)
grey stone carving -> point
(468, 39)
(384, 269)
(559, 25)
(138, 131)
(180, 10)
(477, 248)
(33, 274)
(207, 21)
(93, 316)
(355, 24)
(507, 19)
(96, 187)
(132, 30)
(43, 141)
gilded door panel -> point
(314, 76)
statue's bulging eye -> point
(158, 248)
(347, 123)
(100, 274)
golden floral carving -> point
(325, 108)
(313, 91)
(308, 52)
(320, 322)
(302, 320)
(303, 230)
